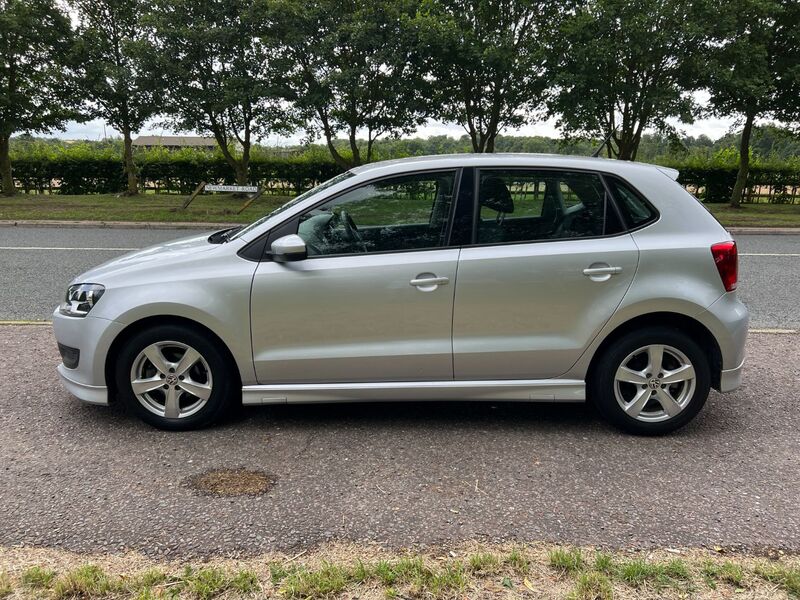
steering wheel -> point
(351, 231)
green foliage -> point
(566, 561)
(83, 582)
(349, 67)
(217, 75)
(38, 577)
(626, 65)
(487, 62)
(36, 83)
(592, 586)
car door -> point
(374, 299)
(549, 266)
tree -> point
(121, 90)
(486, 62)
(754, 69)
(216, 74)
(622, 66)
(36, 87)
(351, 67)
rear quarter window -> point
(635, 210)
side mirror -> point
(289, 248)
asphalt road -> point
(34, 280)
(94, 479)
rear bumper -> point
(730, 379)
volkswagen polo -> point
(485, 277)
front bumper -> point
(92, 337)
(93, 394)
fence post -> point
(196, 191)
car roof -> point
(448, 161)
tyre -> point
(652, 381)
(173, 377)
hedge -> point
(85, 171)
(82, 169)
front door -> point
(374, 299)
(549, 268)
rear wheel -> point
(651, 381)
(174, 378)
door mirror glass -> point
(288, 248)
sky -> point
(97, 130)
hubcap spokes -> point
(654, 383)
(171, 379)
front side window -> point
(408, 212)
(533, 205)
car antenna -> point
(596, 153)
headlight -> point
(81, 298)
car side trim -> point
(524, 390)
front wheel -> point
(651, 381)
(174, 378)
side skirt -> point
(524, 390)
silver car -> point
(470, 277)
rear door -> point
(549, 266)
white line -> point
(768, 330)
(765, 254)
(63, 248)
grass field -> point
(757, 215)
(217, 208)
(473, 571)
(222, 209)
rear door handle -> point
(428, 281)
(593, 271)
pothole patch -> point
(231, 482)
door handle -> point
(594, 271)
(425, 281)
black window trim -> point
(656, 214)
(263, 242)
(611, 199)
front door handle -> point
(428, 281)
(592, 271)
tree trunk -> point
(744, 161)
(5, 167)
(130, 168)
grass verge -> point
(472, 571)
(757, 215)
(222, 208)
(216, 208)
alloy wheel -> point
(171, 379)
(654, 383)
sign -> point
(250, 189)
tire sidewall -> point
(220, 368)
(602, 384)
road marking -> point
(769, 330)
(766, 254)
(63, 248)
(26, 322)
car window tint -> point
(531, 205)
(635, 210)
(402, 213)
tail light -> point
(727, 260)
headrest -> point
(495, 195)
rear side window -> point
(520, 205)
(635, 210)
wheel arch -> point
(684, 323)
(148, 322)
